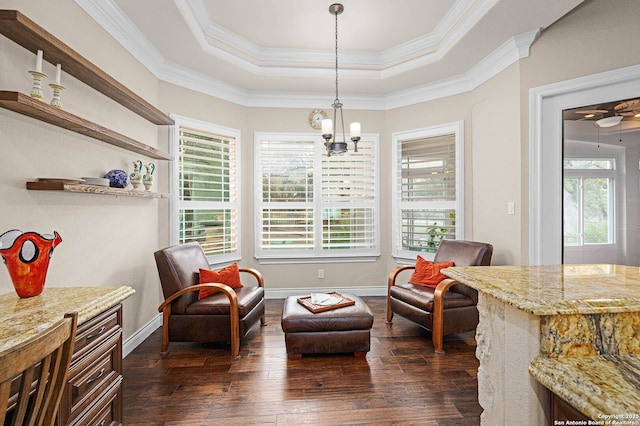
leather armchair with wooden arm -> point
(450, 308)
(224, 317)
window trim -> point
(174, 203)
(613, 174)
(316, 256)
(457, 129)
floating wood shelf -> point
(33, 37)
(92, 189)
(34, 108)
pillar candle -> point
(39, 61)
(58, 69)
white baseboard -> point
(139, 336)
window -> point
(427, 189)
(205, 200)
(310, 205)
(588, 197)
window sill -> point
(317, 259)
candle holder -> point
(36, 90)
(56, 101)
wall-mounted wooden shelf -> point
(34, 108)
(31, 36)
(92, 189)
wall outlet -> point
(320, 273)
(511, 207)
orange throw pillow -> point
(428, 273)
(229, 276)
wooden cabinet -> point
(93, 395)
(94, 387)
(561, 411)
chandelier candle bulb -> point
(327, 126)
(354, 129)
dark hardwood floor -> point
(400, 382)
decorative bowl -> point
(117, 178)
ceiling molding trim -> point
(111, 18)
(510, 52)
(226, 45)
(201, 83)
(119, 26)
(458, 21)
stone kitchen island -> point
(572, 329)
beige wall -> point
(107, 240)
(110, 241)
(596, 37)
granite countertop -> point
(603, 387)
(21, 319)
(557, 289)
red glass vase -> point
(26, 255)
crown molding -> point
(110, 17)
(429, 48)
(107, 14)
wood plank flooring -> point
(400, 382)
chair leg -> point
(438, 313)
(263, 320)
(166, 313)
(235, 333)
(436, 338)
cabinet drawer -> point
(104, 410)
(94, 374)
(95, 331)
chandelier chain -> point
(336, 16)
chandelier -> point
(332, 142)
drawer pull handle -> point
(93, 379)
(91, 336)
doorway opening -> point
(546, 107)
(600, 183)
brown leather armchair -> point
(450, 308)
(220, 318)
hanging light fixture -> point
(614, 120)
(329, 133)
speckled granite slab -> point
(21, 319)
(557, 289)
(590, 334)
(601, 387)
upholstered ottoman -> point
(341, 330)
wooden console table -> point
(93, 394)
(571, 329)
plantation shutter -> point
(287, 195)
(429, 169)
(312, 205)
(349, 200)
(427, 190)
(207, 190)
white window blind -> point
(312, 205)
(207, 188)
(427, 189)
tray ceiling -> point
(281, 53)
